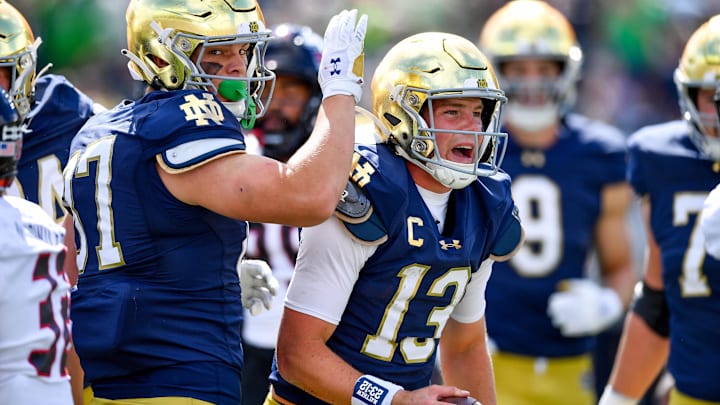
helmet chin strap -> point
(531, 118)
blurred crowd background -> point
(631, 47)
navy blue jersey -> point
(558, 194)
(665, 166)
(408, 288)
(157, 310)
(58, 113)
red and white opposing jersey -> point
(34, 306)
(278, 246)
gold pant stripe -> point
(275, 399)
(523, 380)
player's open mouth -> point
(463, 154)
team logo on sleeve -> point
(361, 172)
(202, 110)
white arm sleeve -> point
(327, 266)
(710, 222)
(472, 306)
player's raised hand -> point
(343, 59)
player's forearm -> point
(317, 370)
(321, 167)
(76, 376)
(622, 280)
(640, 358)
(70, 265)
(470, 371)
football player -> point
(293, 55)
(34, 290)
(568, 171)
(675, 314)
(160, 201)
(53, 108)
(400, 270)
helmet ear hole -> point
(394, 121)
(157, 61)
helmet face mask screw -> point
(413, 100)
(419, 147)
(184, 45)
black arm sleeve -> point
(650, 305)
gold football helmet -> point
(532, 29)
(427, 67)
(18, 52)
(172, 30)
(699, 67)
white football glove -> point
(343, 58)
(583, 308)
(257, 284)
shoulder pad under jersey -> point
(356, 213)
(354, 204)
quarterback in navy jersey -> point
(568, 172)
(398, 276)
(52, 110)
(674, 166)
(160, 200)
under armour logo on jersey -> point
(334, 62)
(202, 110)
(446, 246)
